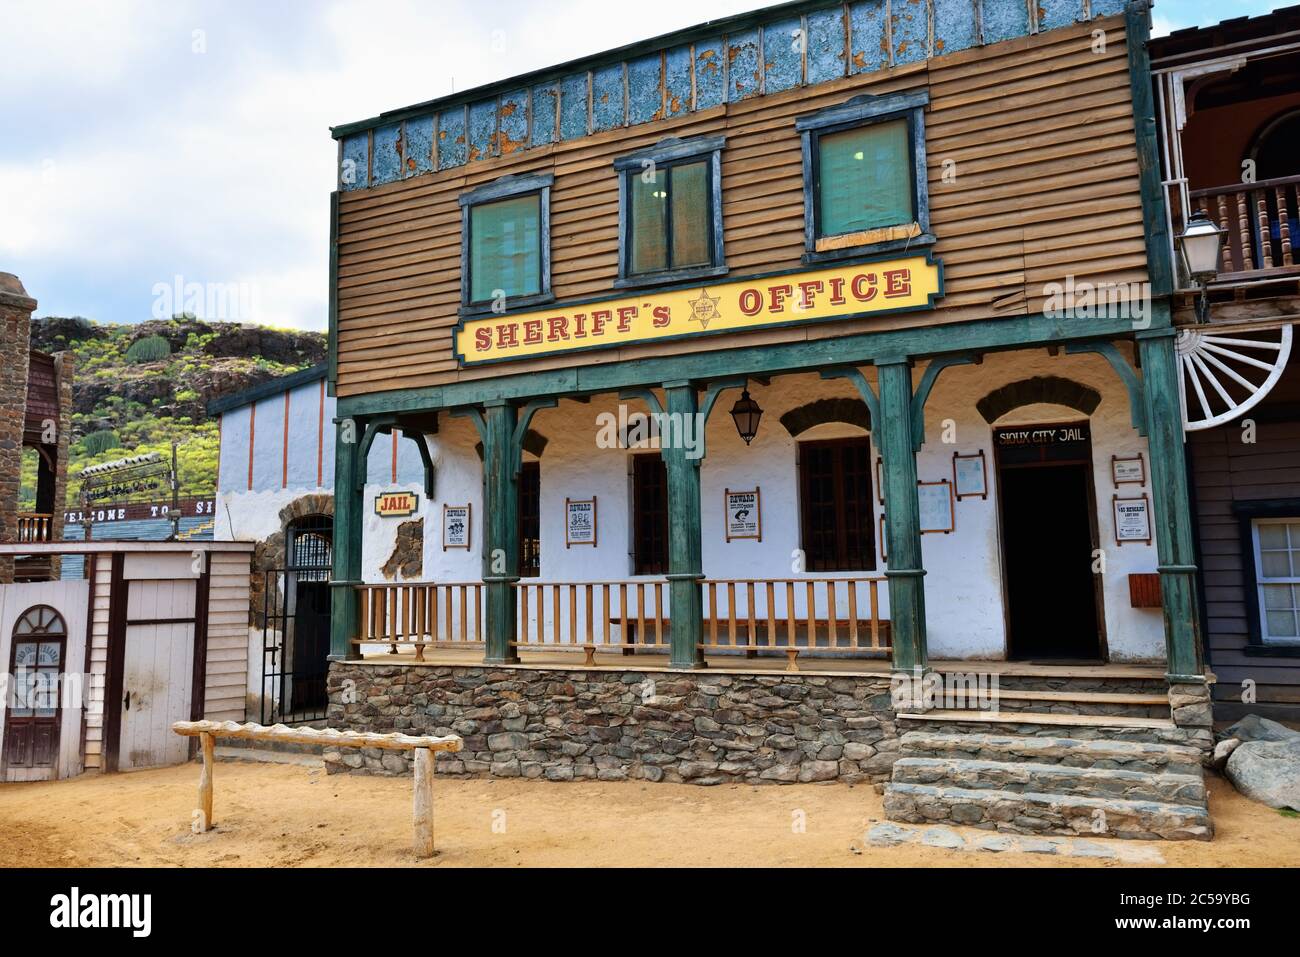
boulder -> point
(1268, 772)
(1223, 750)
(1254, 728)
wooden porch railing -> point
(763, 614)
(1261, 220)
(445, 614)
(35, 526)
(790, 615)
(594, 609)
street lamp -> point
(746, 414)
(1202, 245)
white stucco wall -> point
(964, 597)
(964, 588)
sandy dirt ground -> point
(281, 815)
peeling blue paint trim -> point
(1004, 19)
(573, 107)
(645, 92)
(482, 129)
(769, 51)
(677, 82)
(546, 114)
(608, 106)
(869, 48)
(387, 154)
(710, 74)
(451, 138)
(418, 153)
(355, 173)
(783, 49)
(743, 74)
(826, 46)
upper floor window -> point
(506, 244)
(670, 212)
(865, 177)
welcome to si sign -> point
(894, 285)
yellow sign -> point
(396, 504)
(895, 285)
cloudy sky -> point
(145, 141)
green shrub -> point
(149, 349)
(101, 441)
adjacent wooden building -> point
(1229, 112)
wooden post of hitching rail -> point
(422, 803)
(205, 779)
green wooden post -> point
(349, 493)
(893, 436)
(500, 529)
(685, 563)
(1172, 517)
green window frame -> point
(505, 244)
(865, 180)
(684, 179)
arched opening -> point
(1048, 529)
(297, 664)
(40, 638)
(1277, 146)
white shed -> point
(97, 670)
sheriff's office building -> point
(908, 264)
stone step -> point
(1024, 776)
(972, 716)
(1034, 813)
(1044, 749)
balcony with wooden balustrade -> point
(35, 526)
(759, 624)
(1261, 221)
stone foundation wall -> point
(697, 727)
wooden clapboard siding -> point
(1038, 130)
(1226, 470)
(226, 681)
(98, 658)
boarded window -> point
(649, 515)
(530, 520)
(669, 221)
(864, 178)
(837, 514)
(505, 248)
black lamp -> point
(746, 413)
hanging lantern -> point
(1202, 243)
(746, 413)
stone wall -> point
(704, 727)
(15, 337)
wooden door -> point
(157, 673)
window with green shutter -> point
(505, 244)
(864, 179)
(865, 185)
(505, 250)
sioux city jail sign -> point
(894, 285)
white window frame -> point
(1261, 580)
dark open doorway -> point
(1049, 541)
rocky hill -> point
(139, 387)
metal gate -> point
(296, 625)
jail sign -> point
(841, 292)
(396, 504)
